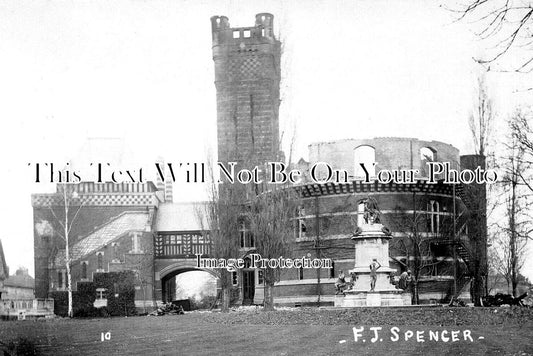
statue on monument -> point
(371, 213)
(374, 266)
(371, 262)
(340, 284)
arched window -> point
(115, 252)
(60, 284)
(427, 154)
(365, 155)
(100, 256)
(84, 270)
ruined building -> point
(137, 227)
(247, 77)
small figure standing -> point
(402, 284)
(374, 266)
(405, 280)
(340, 284)
(354, 278)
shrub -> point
(120, 296)
(60, 303)
(120, 292)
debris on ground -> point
(528, 301)
(168, 309)
(457, 303)
(501, 299)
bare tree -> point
(496, 256)
(522, 132)
(502, 259)
(67, 197)
(482, 118)
(507, 22)
(271, 218)
(142, 267)
(516, 227)
(417, 241)
(223, 213)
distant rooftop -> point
(20, 279)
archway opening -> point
(365, 161)
(197, 286)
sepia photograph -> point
(270, 177)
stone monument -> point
(371, 267)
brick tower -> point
(247, 76)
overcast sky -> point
(143, 71)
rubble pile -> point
(505, 299)
(168, 309)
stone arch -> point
(184, 266)
(167, 276)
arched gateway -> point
(182, 234)
(167, 280)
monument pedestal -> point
(372, 242)
(395, 298)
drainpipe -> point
(317, 247)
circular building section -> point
(425, 220)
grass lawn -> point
(285, 332)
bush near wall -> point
(86, 294)
(60, 302)
(121, 283)
(120, 291)
(82, 301)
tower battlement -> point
(247, 76)
(223, 32)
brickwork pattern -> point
(247, 79)
(129, 199)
